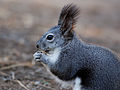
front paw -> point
(37, 56)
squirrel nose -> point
(37, 46)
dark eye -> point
(50, 37)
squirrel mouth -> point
(47, 51)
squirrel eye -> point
(49, 37)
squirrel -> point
(79, 64)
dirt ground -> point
(22, 22)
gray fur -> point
(98, 67)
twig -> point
(46, 87)
(29, 64)
(2, 73)
(22, 85)
(15, 80)
(7, 62)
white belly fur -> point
(75, 84)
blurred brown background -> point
(22, 22)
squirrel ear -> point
(68, 18)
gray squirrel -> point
(81, 65)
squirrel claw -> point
(37, 55)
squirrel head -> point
(61, 34)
